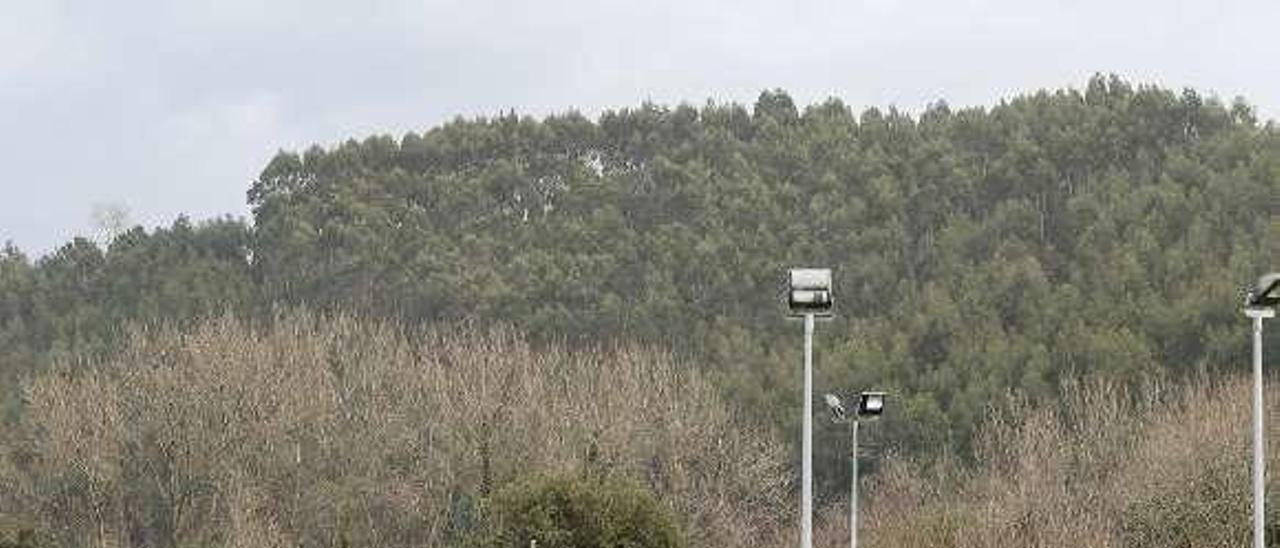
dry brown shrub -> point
(332, 431)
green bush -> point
(563, 512)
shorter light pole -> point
(870, 405)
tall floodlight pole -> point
(1260, 304)
(1259, 450)
(806, 451)
(808, 296)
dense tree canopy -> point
(74, 303)
(977, 251)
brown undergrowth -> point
(338, 432)
(1164, 466)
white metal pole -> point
(806, 478)
(853, 489)
(1259, 536)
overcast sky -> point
(173, 107)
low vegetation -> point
(569, 512)
(337, 432)
(333, 432)
(1165, 466)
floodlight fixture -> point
(837, 408)
(809, 292)
(1265, 293)
(870, 404)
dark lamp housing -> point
(870, 403)
(809, 291)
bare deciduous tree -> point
(331, 431)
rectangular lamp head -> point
(809, 291)
(870, 404)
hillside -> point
(978, 251)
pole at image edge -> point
(806, 457)
(1259, 463)
(1261, 300)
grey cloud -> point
(172, 107)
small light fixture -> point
(870, 404)
(837, 408)
(1265, 292)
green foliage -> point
(566, 512)
(72, 305)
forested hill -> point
(976, 251)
